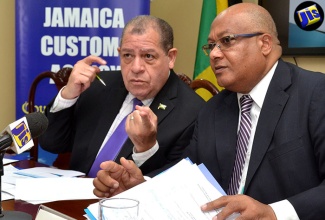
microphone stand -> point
(9, 215)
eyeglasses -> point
(226, 42)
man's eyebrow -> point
(143, 50)
(147, 50)
(220, 35)
(210, 39)
(127, 50)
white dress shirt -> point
(283, 209)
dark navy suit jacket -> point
(82, 128)
(288, 153)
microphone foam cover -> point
(37, 123)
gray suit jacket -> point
(82, 128)
(288, 154)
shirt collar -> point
(129, 99)
(258, 93)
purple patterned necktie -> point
(113, 144)
(242, 143)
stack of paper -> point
(8, 183)
(176, 194)
(42, 190)
(44, 184)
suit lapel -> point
(226, 123)
(166, 97)
(274, 103)
(107, 115)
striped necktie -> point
(242, 143)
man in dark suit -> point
(283, 171)
(85, 113)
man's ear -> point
(172, 53)
(266, 44)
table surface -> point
(72, 208)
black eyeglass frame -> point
(207, 48)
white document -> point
(178, 194)
(40, 190)
(8, 161)
(41, 172)
(7, 191)
(6, 196)
(46, 213)
(34, 187)
(8, 174)
(8, 183)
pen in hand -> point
(100, 80)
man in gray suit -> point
(283, 171)
(85, 114)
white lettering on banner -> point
(84, 17)
(79, 45)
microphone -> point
(19, 134)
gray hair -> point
(140, 24)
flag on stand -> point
(202, 69)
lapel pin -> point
(162, 106)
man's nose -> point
(138, 65)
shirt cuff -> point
(284, 210)
(140, 158)
(60, 103)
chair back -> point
(60, 79)
(187, 80)
(204, 84)
(199, 84)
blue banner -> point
(54, 34)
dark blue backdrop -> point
(56, 33)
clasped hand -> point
(113, 178)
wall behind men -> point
(183, 15)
